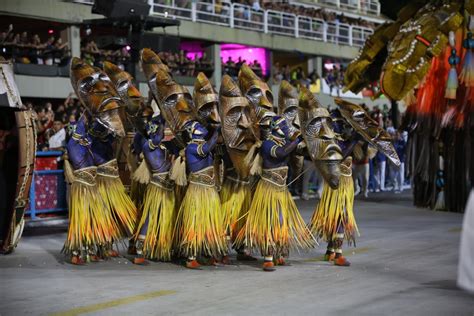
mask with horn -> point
(258, 93)
(138, 113)
(239, 124)
(288, 107)
(206, 101)
(320, 138)
(366, 127)
(175, 101)
(96, 92)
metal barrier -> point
(311, 28)
(281, 23)
(360, 6)
(213, 13)
(48, 189)
(244, 17)
(268, 21)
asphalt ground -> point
(405, 263)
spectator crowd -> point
(28, 48)
(252, 10)
(54, 122)
(231, 67)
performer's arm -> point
(208, 146)
(283, 151)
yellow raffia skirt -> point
(159, 209)
(335, 210)
(236, 198)
(137, 193)
(274, 224)
(200, 226)
(117, 202)
(89, 224)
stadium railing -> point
(268, 21)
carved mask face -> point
(206, 100)
(366, 127)
(97, 93)
(258, 93)
(174, 100)
(320, 138)
(288, 107)
(135, 108)
(239, 124)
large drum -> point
(17, 156)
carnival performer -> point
(199, 228)
(154, 237)
(274, 224)
(175, 103)
(333, 219)
(240, 135)
(91, 228)
(137, 114)
(104, 131)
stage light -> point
(128, 47)
(50, 31)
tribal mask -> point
(206, 100)
(138, 113)
(288, 107)
(97, 93)
(239, 124)
(320, 137)
(366, 127)
(174, 100)
(258, 93)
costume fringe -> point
(467, 73)
(137, 192)
(159, 208)
(452, 84)
(236, 198)
(440, 203)
(200, 226)
(142, 174)
(178, 172)
(68, 172)
(90, 227)
(335, 209)
(274, 224)
(118, 203)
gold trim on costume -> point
(276, 176)
(86, 175)
(205, 177)
(109, 169)
(162, 180)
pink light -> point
(128, 47)
(50, 31)
(249, 54)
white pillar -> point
(74, 39)
(216, 57)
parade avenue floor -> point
(405, 263)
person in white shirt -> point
(58, 138)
